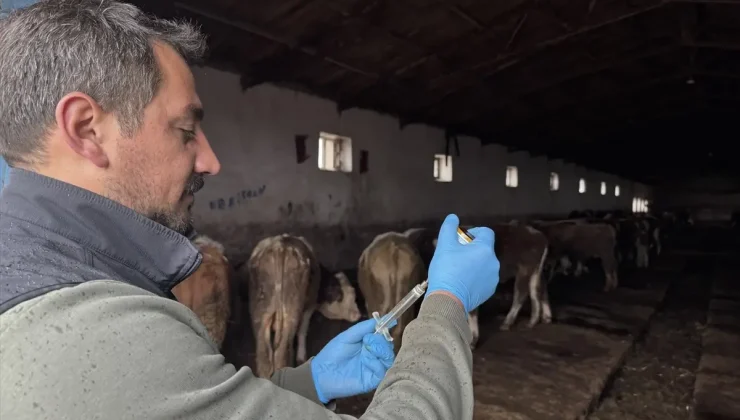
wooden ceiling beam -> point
(505, 59)
(262, 33)
(482, 30)
(502, 101)
(466, 17)
(470, 77)
(516, 30)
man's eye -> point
(187, 135)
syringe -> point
(381, 325)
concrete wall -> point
(262, 189)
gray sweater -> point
(73, 346)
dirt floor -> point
(655, 383)
(555, 371)
(657, 379)
(717, 387)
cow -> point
(285, 282)
(206, 292)
(425, 241)
(337, 301)
(581, 214)
(646, 241)
(388, 269)
(654, 233)
(522, 252)
(580, 242)
(632, 241)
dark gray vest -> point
(54, 235)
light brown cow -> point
(388, 269)
(521, 251)
(580, 241)
(206, 291)
(284, 284)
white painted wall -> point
(253, 135)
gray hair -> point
(102, 48)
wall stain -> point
(238, 199)
(297, 211)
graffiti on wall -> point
(237, 199)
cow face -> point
(338, 299)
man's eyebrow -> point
(192, 114)
(196, 112)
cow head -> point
(337, 298)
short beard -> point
(179, 221)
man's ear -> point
(80, 120)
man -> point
(100, 120)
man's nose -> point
(206, 161)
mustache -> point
(195, 183)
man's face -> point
(158, 170)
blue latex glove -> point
(470, 271)
(352, 363)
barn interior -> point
(341, 120)
(496, 111)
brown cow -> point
(425, 242)
(284, 284)
(633, 240)
(522, 251)
(580, 241)
(388, 269)
(206, 291)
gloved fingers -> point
(379, 348)
(448, 231)
(355, 333)
(377, 369)
(483, 235)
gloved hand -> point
(352, 363)
(471, 271)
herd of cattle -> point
(286, 282)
